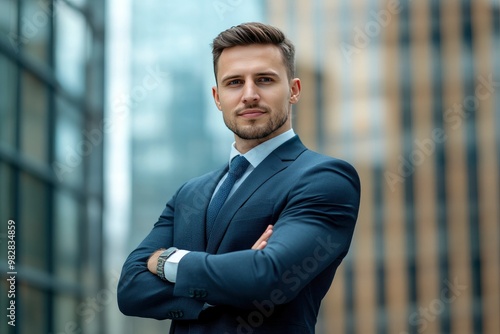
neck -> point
(245, 145)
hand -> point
(153, 260)
(261, 243)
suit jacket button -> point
(175, 314)
(197, 293)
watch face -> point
(165, 253)
(168, 252)
(161, 262)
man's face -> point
(254, 93)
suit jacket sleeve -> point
(313, 232)
(142, 294)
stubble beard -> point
(252, 131)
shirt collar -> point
(257, 154)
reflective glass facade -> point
(51, 140)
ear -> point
(215, 94)
(295, 88)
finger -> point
(263, 238)
(256, 245)
(261, 246)
(266, 234)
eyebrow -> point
(268, 74)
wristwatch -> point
(160, 267)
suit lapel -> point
(278, 160)
(194, 211)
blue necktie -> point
(237, 168)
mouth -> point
(251, 113)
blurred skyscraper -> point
(51, 176)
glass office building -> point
(51, 144)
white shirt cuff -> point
(170, 266)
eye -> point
(234, 82)
(265, 79)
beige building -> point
(409, 92)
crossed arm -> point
(144, 295)
(260, 244)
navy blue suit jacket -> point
(311, 199)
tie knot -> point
(238, 166)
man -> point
(253, 249)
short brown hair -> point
(255, 33)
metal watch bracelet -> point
(160, 267)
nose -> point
(250, 93)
